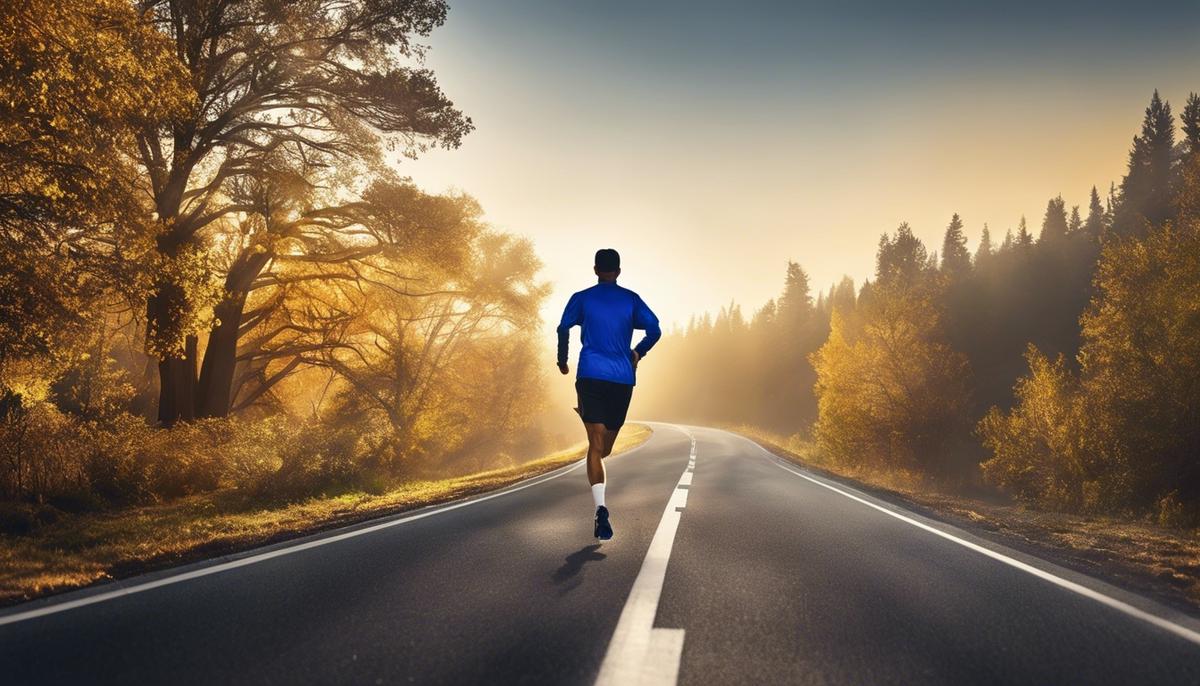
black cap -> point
(607, 260)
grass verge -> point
(80, 550)
(1135, 554)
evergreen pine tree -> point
(1191, 124)
(902, 259)
(737, 322)
(1186, 195)
(765, 316)
(1024, 238)
(1076, 222)
(984, 251)
(866, 294)
(1008, 242)
(796, 301)
(1110, 205)
(1054, 225)
(956, 261)
(1095, 219)
(1145, 190)
(843, 297)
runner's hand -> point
(564, 369)
(634, 357)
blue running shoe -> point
(603, 528)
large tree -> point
(288, 93)
(1145, 193)
(891, 391)
(416, 349)
(78, 79)
(298, 310)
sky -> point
(712, 142)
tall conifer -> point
(1054, 224)
(955, 258)
(984, 252)
(1095, 219)
(1145, 190)
(1024, 238)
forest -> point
(1062, 369)
(210, 274)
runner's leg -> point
(596, 442)
(610, 438)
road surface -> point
(728, 566)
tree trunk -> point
(214, 393)
(176, 369)
(176, 372)
(177, 385)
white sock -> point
(598, 494)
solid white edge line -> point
(393, 520)
(1183, 632)
(639, 652)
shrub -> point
(40, 451)
(1035, 447)
(48, 456)
(315, 458)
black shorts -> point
(603, 402)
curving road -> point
(728, 566)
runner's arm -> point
(572, 315)
(644, 318)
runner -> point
(607, 314)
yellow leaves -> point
(51, 190)
(1036, 452)
(77, 76)
(1118, 433)
(890, 392)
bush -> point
(1176, 514)
(315, 458)
(118, 464)
(41, 455)
(1035, 447)
(48, 456)
(21, 518)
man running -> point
(608, 314)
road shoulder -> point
(1151, 561)
(91, 549)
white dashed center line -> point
(640, 653)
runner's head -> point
(608, 264)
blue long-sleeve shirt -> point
(608, 314)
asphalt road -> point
(727, 567)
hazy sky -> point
(711, 142)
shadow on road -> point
(570, 569)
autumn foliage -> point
(1060, 366)
(211, 276)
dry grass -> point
(1136, 554)
(84, 549)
